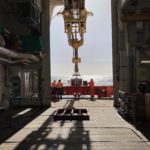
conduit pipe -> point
(25, 61)
(13, 54)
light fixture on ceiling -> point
(145, 61)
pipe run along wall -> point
(11, 53)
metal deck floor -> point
(105, 130)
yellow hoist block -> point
(76, 60)
(75, 43)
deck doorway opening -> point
(95, 53)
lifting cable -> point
(56, 14)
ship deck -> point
(35, 129)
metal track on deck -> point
(71, 114)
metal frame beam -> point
(135, 17)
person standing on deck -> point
(59, 87)
(91, 86)
(53, 85)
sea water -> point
(99, 80)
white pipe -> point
(5, 60)
(27, 56)
(14, 62)
(13, 54)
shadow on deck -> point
(46, 136)
(11, 121)
(144, 128)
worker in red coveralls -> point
(59, 86)
(91, 86)
(53, 85)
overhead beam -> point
(56, 2)
(135, 17)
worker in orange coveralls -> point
(53, 85)
(59, 87)
(91, 86)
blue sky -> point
(96, 53)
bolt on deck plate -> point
(71, 114)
